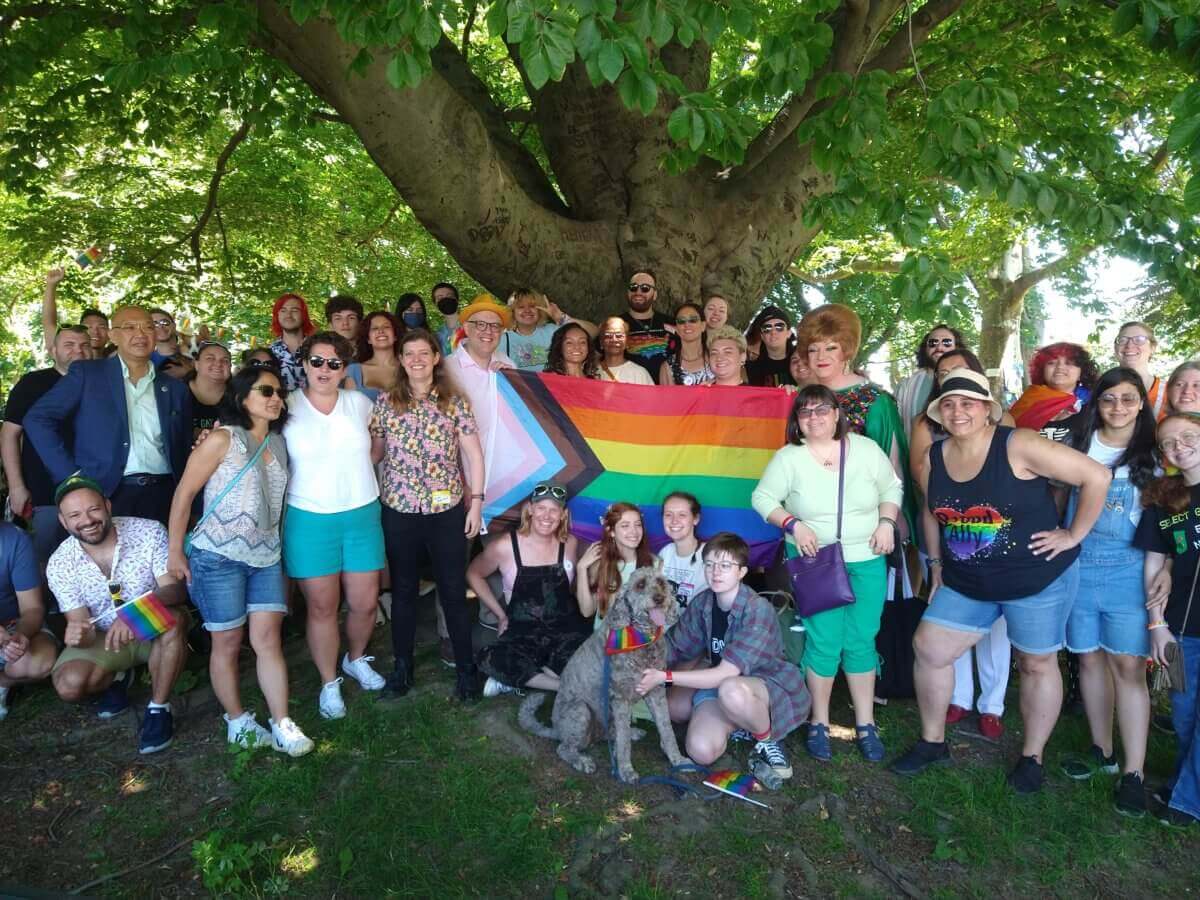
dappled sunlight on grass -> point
(134, 782)
(299, 863)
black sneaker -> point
(770, 754)
(158, 728)
(1162, 796)
(114, 700)
(1130, 799)
(466, 684)
(922, 756)
(399, 682)
(1176, 818)
(1081, 768)
(1027, 776)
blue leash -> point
(681, 788)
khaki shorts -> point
(135, 653)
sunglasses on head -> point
(643, 288)
(541, 491)
(318, 361)
(269, 391)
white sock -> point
(153, 705)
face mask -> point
(414, 319)
(447, 306)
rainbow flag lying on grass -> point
(608, 442)
(734, 783)
(146, 616)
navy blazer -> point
(87, 408)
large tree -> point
(562, 143)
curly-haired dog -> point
(646, 605)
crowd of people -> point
(339, 463)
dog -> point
(646, 602)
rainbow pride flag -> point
(146, 616)
(89, 257)
(608, 442)
(734, 783)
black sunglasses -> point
(319, 361)
(263, 364)
(549, 490)
(269, 391)
(940, 342)
(643, 288)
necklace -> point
(826, 461)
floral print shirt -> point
(420, 471)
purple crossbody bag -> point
(821, 582)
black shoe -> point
(1176, 818)
(1081, 768)
(1163, 723)
(399, 682)
(922, 756)
(1027, 777)
(466, 684)
(1130, 799)
(1162, 796)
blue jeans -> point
(227, 591)
(1185, 785)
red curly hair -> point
(1075, 354)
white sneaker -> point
(3, 703)
(360, 670)
(245, 731)
(286, 737)
(494, 688)
(330, 704)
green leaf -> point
(663, 29)
(647, 92)
(611, 61)
(397, 72)
(1183, 134)
(1126, 16)
(698, 131)
(1191, 195)
(497, 18)
(1046, 201)
(429, 29)
(627, 88)
(742, 21)
(679, 124)
(1149, 21)
(587, 37)
(537, 68)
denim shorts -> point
(227, 591)
(1110, 610)
(316, 544)
(703, 694)
(1036, 624)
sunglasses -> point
(688, 320)
(269, 391)
(939, 342)
(263, 364)
(162, 323)
(773, 326)
(558, 492)
(821, 410)
(318, 362)
(1129, 401)
(641, 288)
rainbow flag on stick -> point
(735, 784)
(146, 616)
(89, 257)
(609, 442)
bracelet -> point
(477, 496)
(1154, 625)
(788, 522)
(888, 519)
(935, 560)
(670, 678)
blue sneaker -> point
(158, 730)
(115, 698)
(869, 744)
(817, 743)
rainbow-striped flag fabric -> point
(146, 616)
(608, 442)
(731, 781)
(89, 257)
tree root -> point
(123, 872)
(835, 808)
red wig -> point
(306, 325)
(1076, 356)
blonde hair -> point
(526, 526)
(725, 333)
(537, 298)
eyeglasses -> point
(773, 326)
(162, 323)
(932, 343)
(820, 410)
(724, 566)
(640, 288)
(613, 334)
(263, 364)
(135, 328)
(318, 362)
(541, 491)
(688, 320)
(1138, 339)
(1188, 439)
(1129, 401)
(486, 326)
(269, 391)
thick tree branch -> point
(326, 116)
(1031, 279)
(470, 23)
(378, 230)
(901, 48)
(860, 266)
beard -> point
(105, 530)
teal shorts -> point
(316, 544)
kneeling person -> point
(733, 673)
(26, 649)
(103, 551)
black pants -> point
(404, 536)
(144, 497)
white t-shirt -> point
(627, 372)
(1108, 456)
(329, 456)
(686, 573)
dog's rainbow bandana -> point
(627, 638)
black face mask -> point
(448, 306)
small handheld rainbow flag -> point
(89, 257)
(146, 616)
(735, 784)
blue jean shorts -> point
(227, 591)
(1036, 624)
(703, 694)
(1110, 610)
(316, 544)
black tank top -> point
(985, 525)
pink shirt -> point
(480, 387)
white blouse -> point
(329, 456)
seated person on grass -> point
(27, 650)
(732, 674)
(102, 559)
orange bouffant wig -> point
(831, 322)
(604, 576)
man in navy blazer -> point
(118, 422)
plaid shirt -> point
(754, 644)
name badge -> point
(440, 501)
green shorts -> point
(135, 653)
(316, 544)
